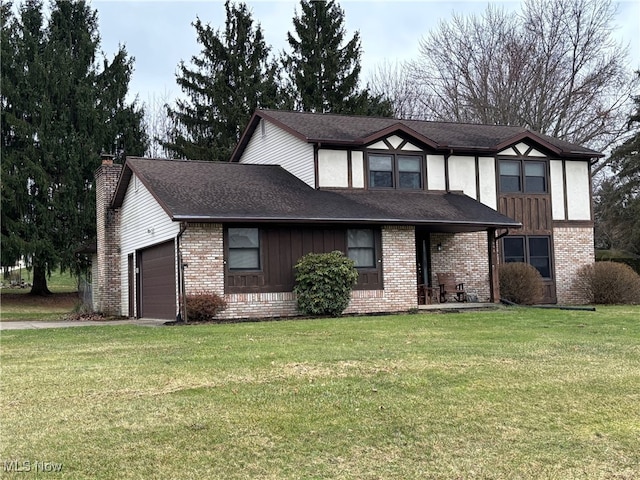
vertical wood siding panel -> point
(278, 147)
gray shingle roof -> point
(230, 192)
(360, 130)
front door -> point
(423, 264)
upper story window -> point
(244, 249)
(361, 247)
(395, 171)
(522, 176)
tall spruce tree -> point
(323, 70)
(229, 79)
(59, 111)
(617, 206)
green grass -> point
(58, 282)
(17, 305)
(506, 394)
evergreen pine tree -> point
(229, 79)
(59, 111)
(617, 206)
(324, 71)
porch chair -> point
(449, 286)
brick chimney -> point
(108, 285)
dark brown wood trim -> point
(573, 223)
(349, 170)
(316, 168)
(564, 189)
(477, 159)
(446, 171)
(590, 191)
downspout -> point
(182, 304)
(494, 277)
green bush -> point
(609, 283)
(324, 282)
(204, 306)
(520, 283)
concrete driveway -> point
(32, 325)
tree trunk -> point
(40, 281)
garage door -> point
(158, 282)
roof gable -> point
(446, 137)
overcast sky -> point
(158, 34)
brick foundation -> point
(573, 248)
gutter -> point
(182, 302)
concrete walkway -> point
(33, 325)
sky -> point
(159, 33)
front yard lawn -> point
(507, 394)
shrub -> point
(204, 306)
(609, 283)
(520, 283)
(324, 282)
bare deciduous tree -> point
(158, 125)
(392, 82)
(553, 68)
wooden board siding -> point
(143, 223)
(280, 250)
(533, 211)
(279, 147)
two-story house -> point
(404, 199)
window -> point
(381, 171)
(513, 249)
(532, 250)
(244, 249)
(512, 179)
(409, 172)
(395, 171)
(361, 247)
(534, 177)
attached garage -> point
(158, 281)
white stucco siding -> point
(487, 177)
(357, 169)
(143, 223)
(278, 147)
(556, 182)
(462, 174)
(333, 168)
(435, 173)
(578, 190)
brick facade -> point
(107, 285)
(573, 248)
(202, 250)
(467, 256)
